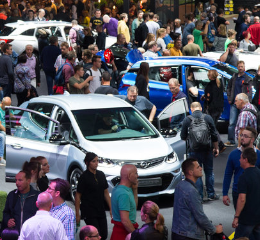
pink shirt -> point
(31, 64)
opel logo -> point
(144, 164)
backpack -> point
(80, 37)
(257, 114)
(199, 134)
(59, 80)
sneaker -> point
(2, 162)
(215, 197)
(222, 149)
(229, 144)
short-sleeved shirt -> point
(189, 85)
(191, 49)
(220, 20)
(105, 89)
(198, 38)
(92, 187)
(227, 42)
(96, 82)
(74, 90)
(249, 184)
(96, 22)
(232, 59)
(123, 200)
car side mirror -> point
(58, 139)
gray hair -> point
(71, 55)
(74, 22)
(41, 10)
(28, 45)
(243, 97)
(173, 81)
(190, 37)
(132, 89)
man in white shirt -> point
(43, 226)
(152, 49)
(177, 25)
(152, 25)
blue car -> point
(164, 68)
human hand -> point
(235, 223)
(114, 128)
(11, 223)
(226, 200)
(215, 152)
(208, 22)
(219, 228)
(90, 78)
(28, 94)
(213, 32)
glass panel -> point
(7, 31)
(29, 32)
(164, 9)
(163, 74)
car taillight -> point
(6, 40)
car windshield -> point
(113, 124)
(226, 68)
(7, 31)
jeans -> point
(234, 112)
(246, 230)
(205, 159)
(2, 143)
(7, 90)
(179, 237)
(49, 78)
(215, 116)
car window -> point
(28, 32)
(67, 30)
(164, 74)
(199, 75)
(57, 32)
(7, 31)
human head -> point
(78, 69)
(212, 75)
(222, 30)
(256, 19)
(203, 16)
(22, 181)
(106, 77)
(156, 17)
(152, 46)
(10, 234)
(45, 167)
(191, 168)
(241, 66)
(232, 47)
(146, 17)
(140, 14)
(87, 31)
(150, 37)
(7, 49)
(71, 56)
(231, 33)
(59, 189)
(241, 100)
(88, 232)
(195, 106)
(199, 25)
(220, 11)
(29, 50)
(53, 40)
(174, 85)
(246, 35)
(177, 22)
(121, 39)
(124, 17)
(129, 175)
(97, 13)
(199, 6)
(6, 101)
(189, 17)
(248, 158)
(106, 18)
(91, 160)
(178, 44)
(64, 47)
(41, 13)
(144, 70)
(32, 167)
(190, 38)
(151, 14)
(247, 18)
(44, 201)
(87, 55)
(247, 137)
(74, 23)
(22, 59)
(132, 93)
(160, 33)
(30, 14)
(93, 48)
(96, 61)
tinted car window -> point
(7, 31)
(164, 74)
(29, 32)
(200, 76)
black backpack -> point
(139, 33)
(257, 114)
(80, 37)
(199, 134)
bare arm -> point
(108, 200)
(223, 57)
(206, 28)
(241, 201)
(201, 54)
(77, 206)
(2, 128)
(194, 91)
(152, 113)
(83, 84)
(124, 215)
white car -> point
(251, 59)
(21, 33)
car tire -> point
(74, 177)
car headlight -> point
(171, 158)
(105, 162)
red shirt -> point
(255, 33)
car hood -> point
(129, 149)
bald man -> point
(43, 226)
(5, 102)
(124, 201)
(88, 232)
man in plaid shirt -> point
(246, 118)
(59, 189)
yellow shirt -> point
(175, 52)
(123, 29)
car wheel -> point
(74, 177)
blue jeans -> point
(205, 159)
(7, 90)
(246, 230)
(2, 143)
(49, 78)
(234, 112)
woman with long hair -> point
(220, 38)
(150, 37)
(246, 44)
(142, 80)
(154, 228)
(91, 192)
(214, 101)
(34, 168)
(160, 34)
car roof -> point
(180, 60)
(82, 101)
(37, 23)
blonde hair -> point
(150, 37)
(223, 30)
(160, 32)
(214, 74)
(231, 32)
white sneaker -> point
(2, 162)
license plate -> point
(150, 182)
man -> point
(43, 226)
(33, 64)
(120, 41)
(73, 34)
(247, 136)
(110, 25)
(40, 16)
(93, 48)
(139, 102)
(197, 33)
(199, 149)
(62, 15)
(244, 26)
(229, 56)
(68, 69)
(177, 26)
(96, 20)
(20, 203)
(189, 220)
(142, 31)
(6, 70)
(254, 30)
(29, 16)
(86, 62)
(124, 202)
(174, 87)
(188, 29)
(191, 49)
(152, 25)
(247, 216)
(247, 116)
(239, 83)
(105, 88)
(48, 58)
(59, 190)
(136, 22)
(176, 49)
(152, 49)
(220, 19)
(61, 59)
(156, 19)
(88, 232)
(239, 20)
(5, 102)
(123, 28)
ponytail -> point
(159, 225)
(218, 82)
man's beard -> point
(245, 145)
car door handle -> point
(17, 146)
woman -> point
(150, 230)
(160, 34)
(220, 38)
(167, 39)
(198, 10)
(88, 39)
(142, 80)
(43, 181)
(231, 36)
(256, 84)
(246, 44)
(34, 168)
(214, 101)
(22, 82)
(150, 37)
(91, 192)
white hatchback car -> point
(21, 33)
